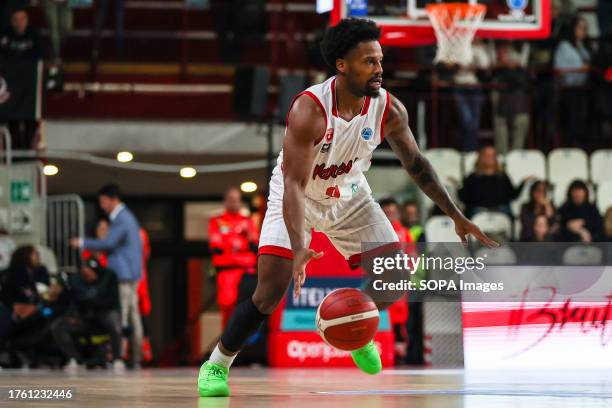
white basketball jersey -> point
(344, 152)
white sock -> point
(221, 359)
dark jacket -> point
(24, 46)
(481, 190)
(588, 212)
(100, 295)
(19, 286)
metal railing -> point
(65, 220)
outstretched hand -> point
(465, 227)
(301, 258)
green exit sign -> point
(21, 191)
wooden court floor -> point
(319, 388)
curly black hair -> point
(345, 35)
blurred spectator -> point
(604, 16)
(540, 230)
(608, 225)
(572, 62)
(28, 294)
(6, 11)
(124, 249)
(488, 187)
(144, 300)
(539, 204)
(391, 209)
(411, 218)
(602, 62)
(512, 111)
(102, 7)
(101, 232)
(579, 219)
(96, 310)
(59, 20)
(398, 311)
(468, 95)
(233, 241)
(21, 42)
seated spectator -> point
(21, 41)
(411, 218)
(540, 229)
(96, 308)
(32, 300)
(608, 225)
(391, 209)
(488, 187)
(572, 62)
(539, 204)
(580, 221)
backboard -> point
(405, 22)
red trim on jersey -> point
(276, 251)
(366, 106)
(314, 98)
(384, 118)
(333, 93)
(355, 260)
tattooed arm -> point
(401, 140)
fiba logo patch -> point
(516, 13)
(366, 133)
(4, 93)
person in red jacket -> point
(144, 300)
(233, 241)
(398, 311)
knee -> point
(267, 300)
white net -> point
(455, 25)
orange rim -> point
(461, 9)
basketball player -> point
(332, 130)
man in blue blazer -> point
(124, 250)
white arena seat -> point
(447, 164)
(441, 228)
(601, 165)
(566, 165)
(493, 222)
(521, 164)
(604, 196)
(502, 255)
(582, 255)
(388, 181)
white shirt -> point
(116, 211)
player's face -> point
(362, 68)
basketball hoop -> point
(455, 25)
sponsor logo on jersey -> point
(329, 135)
(333, 171)
(366, 133)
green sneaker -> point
(368, 359)
(212, 380)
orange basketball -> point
(347, 319)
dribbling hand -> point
(465, 227)
(301, 258)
